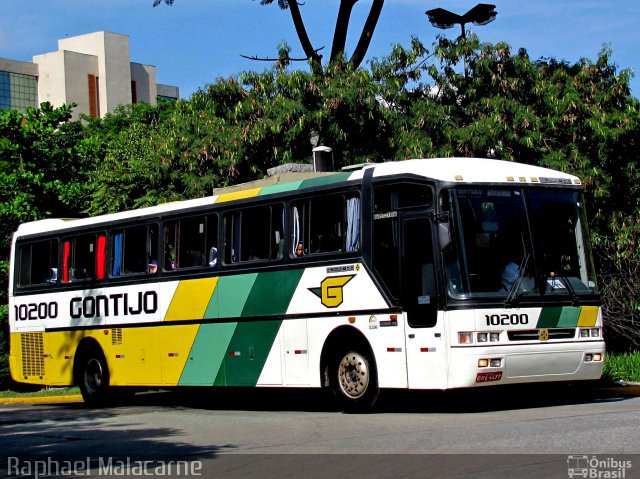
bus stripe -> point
(238, 195)
(588, 316)
(207, 354)
(191, 299)
(271, 293)
(231, 295)
(254, 340)
(568, 316)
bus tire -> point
(353, 378)
(92, 376)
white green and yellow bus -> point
(419, 274)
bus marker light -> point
(393, 317)
(465, 338)
(352, 319)
(458, 177)
(510, 178)
(300, 351)
(235, 353)
(394, 350)
(68, 357)
(427, 350)
(106, 332)
(119, 356)
(173, 355)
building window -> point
(134, 92)
(18, 91)
(94, 96)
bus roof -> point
(454, 170)
(474, 170)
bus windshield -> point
(514, 242)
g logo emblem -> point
(330, 291)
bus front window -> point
(510, 241)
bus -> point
(416, 274)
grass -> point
(625, 367)
(40, 393)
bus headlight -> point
(589, 332)
(482, 337)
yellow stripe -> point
(588, 316)
(191, 299)
(238, 195)
(176, 344)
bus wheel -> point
(93, 377)
(355, 380)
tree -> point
(43, 173)
(339, 35)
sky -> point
(195, 42)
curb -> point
(42, 399)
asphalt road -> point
(535, 431)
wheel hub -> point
(353, 375)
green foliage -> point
(622, 367)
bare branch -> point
(277, 59)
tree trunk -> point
(302, 33)
(342, 26)
(367, 33)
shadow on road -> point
(494, 398)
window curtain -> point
(296, 230)
(353, 224)
(117, 254)
(101, 255)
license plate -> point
(486, 377)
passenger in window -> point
(300, 250)
(153, 266)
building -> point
(94, 71)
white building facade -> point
(94, 71)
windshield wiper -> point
(513, 292)
(567, 285)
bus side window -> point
(326, 224)
(254, 234)
(79, 258)
(134, 250)
(38, 263)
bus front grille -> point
(534, 334)
(32, 354)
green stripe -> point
(253, 340)
(230, 296)
(207, 354)
(325, 180)
(549, 317)
(569, 317)
(272, 293)
(280, 188)
(559, 317)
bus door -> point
(419, 299)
